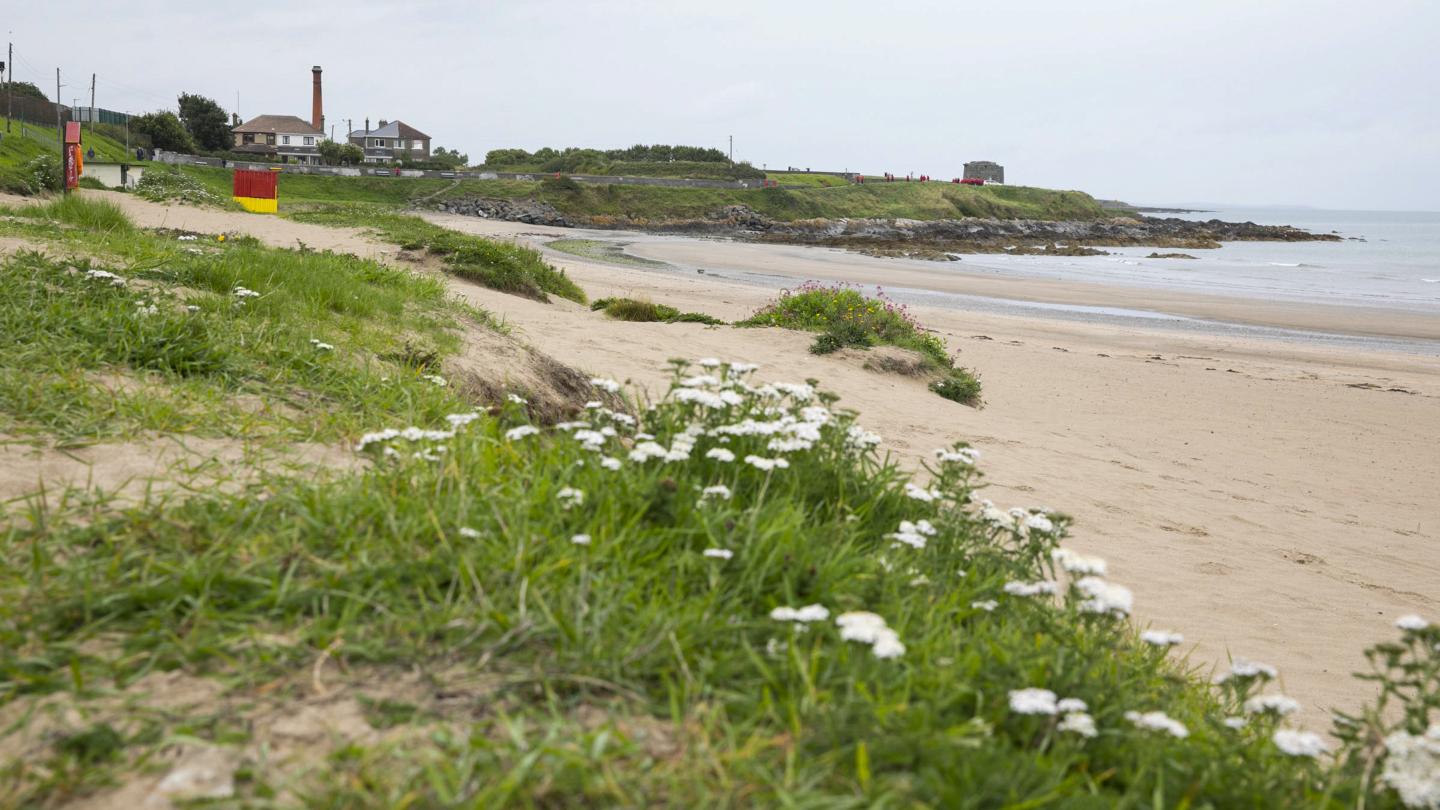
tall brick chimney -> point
(317, 106)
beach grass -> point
(644, 311)
(845, 317)
(503, 266)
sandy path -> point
(1252, 498)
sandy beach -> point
(1268, 499)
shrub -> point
(631, 309)
(847, 334)
(170, 184)
(960, 385)
(44, 173)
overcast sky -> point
(1332, 104)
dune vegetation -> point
(725, 596)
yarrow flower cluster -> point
(809, 613)
(322, 346)
(1044, 586)
(569, 497)
(913, 534)
(1076, 563)
(1278, 705)
(1161, 638)
(244, 292)
(1241, 668)
(870, 628)
(1300, 743)
(1158, 721)
(1104, 597)
(105, 275)
(1412, 767)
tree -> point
(351, 155)
(28, 90)
(165, 131)
(206, 122)
(451, 158)
(330, 153)
(341, 154)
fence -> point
(33, 110)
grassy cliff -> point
(652, 203)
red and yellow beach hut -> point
(257, 191)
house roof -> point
(288, 124)
(392, 129)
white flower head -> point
(580, 539)
(767, 464)
(1412, 767)
(607, 385)
(987, 605)
(709, 362)
(718, 553)
(1158, 721)
(964, 455)
(467, 532)
(809, 613)
(517, 433)
(1104, 597)
(720, 454)
(1076, 563)
(719, 491)
(1300, 743)
(1278, 705)
(610, 463)
(1236, 723)
(1161, 638)
(1078, 723)
(1411, 623)
(919, 493)
(1243, 668)
(1068, 705)
(570, 497)
(1044, 586)
(517, 399)
(1033, 701)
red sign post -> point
(72, 155)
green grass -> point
(845, 317)
(633, 670)
(806, 179)
(631, 309)
(499, 265)
(170, 184)
(80, 212)
(64, 333)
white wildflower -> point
(606, 385)
(1242, 668)
(610, 463)
(1300, 743)
(809, 613)
(594, 405)
(715, 491)
(720, 454)
(707, 399)
(887, 645)
(860, 438)
(860, 625)
(737, 369)
(1104, 597)
(987, 605)
(801, 392)
(1236, 723)
(1077, 563)
(766, 464)
(459, 420)
(718, 553)
(191, 308)
(1158, 721)
(592, 439)
(1033, 701)
(570, 497)
(1411, 623)
(700, 381)
(466, 531)
(517, 433)
(1078, 723)
(1279, 705)
(517, 399)
(243, 292)
(788, 445)
(1161, 638)
(1040, 523)
(1068, 705)
(709, 362)
(1412, 767)
(775, 646)
(321, 345)
(434, 378)
(964, 455)
(1017, 588)
(580, 539)
(645, 451)
(919, 493)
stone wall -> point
(986, 170)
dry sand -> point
(1270, 500)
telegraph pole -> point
(732, 148)
(59, 121)
(10, 88)
(92, 102)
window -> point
(285, 139)
(309, 140)
(270, 139)
(247, 137)
(417, 144)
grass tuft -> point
(81, 212)
(632, 309)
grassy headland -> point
(923, 201)
(27, 142)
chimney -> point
(367, 125)
(383, 122)
(317, 107)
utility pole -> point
(732, 148)
(10, 88)
(92, 102)
(59, 122)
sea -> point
(1385, 260)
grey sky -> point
(1321, 103)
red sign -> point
(72, 167)
(72, 132)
